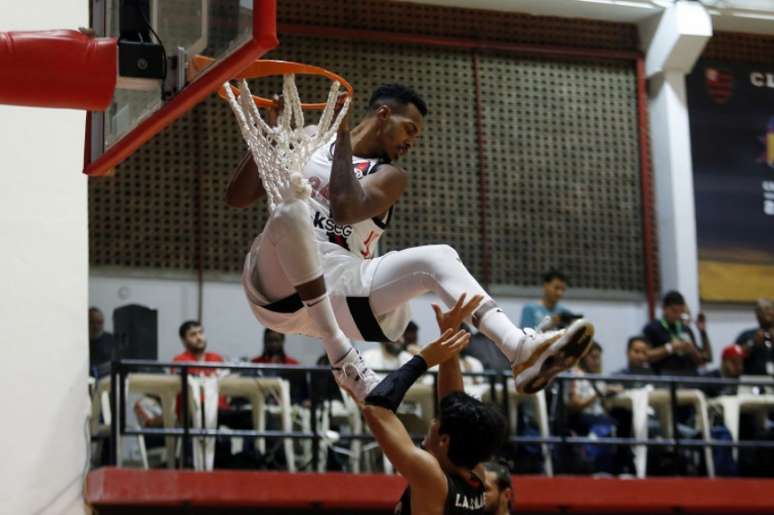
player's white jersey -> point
(360, 238)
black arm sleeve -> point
(389, 393)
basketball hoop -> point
(281, 152)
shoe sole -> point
(553, 357)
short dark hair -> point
(476, 430)
(185, 326)
(594, 346)
(673, 298)
(397, 94)
(554, 274)
(637, 338)
(411, 326)
(501, 472)
(268, 331)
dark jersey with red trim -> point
(465, 497)
(360, 238)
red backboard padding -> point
(57, 68)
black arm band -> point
(389, 393)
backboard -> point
(232, 32)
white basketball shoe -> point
(543, 355)
(353, 376)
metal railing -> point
(497, 385)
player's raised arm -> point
(244, 188)
(449, 372)
(419, 467)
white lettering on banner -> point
(762, 80)
(768, 197)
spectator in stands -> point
(274, 353)
(533, 314)
(588, 415)
(498, 490)
(148, 408)
(411, 338)
(484, 350)
(731, 367)
(673, 348)
(470, 364)
(758, 342)
(195, 343)
(102, 345)
(636, 360)
(388, 356)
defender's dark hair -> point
(411, 326)
(638, 338)
(501, 472)
(396, 94)
(673, 298)
(554, 274)
(185, 326)
(476, 430)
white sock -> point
(498, 328)
(334, 341)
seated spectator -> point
(758, 342)
(673, 349)
(102, 344)
(731, 366)
(195, 343)
(411, 339)
(534, 313)
(587, 413)
(274, 353)
(498, 490)
(470, 364)
(636, 360)
(484, 350)
(387, 356)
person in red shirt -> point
(274, 353)
(195, 342)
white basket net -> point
(281, 152)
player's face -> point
(400, 129)
(492, 494)
(435, 443)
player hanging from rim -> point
(446, 475)
(312, 271)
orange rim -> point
(268, 68)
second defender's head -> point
(467, 433)
(398, 113)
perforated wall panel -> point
(563, 172)
(560, 150)
(382, 15)
(733, 46)
(145, 216)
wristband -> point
(390, 392)
(669, 348)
